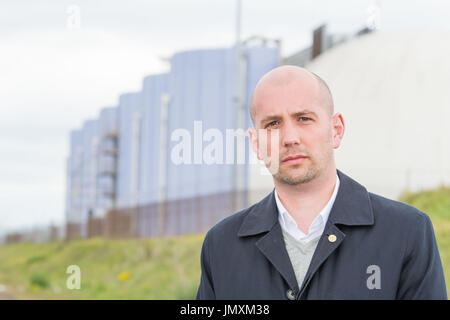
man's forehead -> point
(287, 74)
(285, 87)
(291, 93)
(293, 96)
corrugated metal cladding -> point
(89, 171)
(127, 159)
(154, 89)
(129, 130)
(202, 89)
(74, 172)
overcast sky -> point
(56, 72)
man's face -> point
(306, 131)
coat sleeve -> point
(206, 287)
(422, 274)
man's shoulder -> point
(228, 228)
(390, 210)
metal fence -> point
(183, 216)
(171, 218)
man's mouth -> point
(295, 159)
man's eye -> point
(271, 124)
(305, 119)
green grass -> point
(160, 268)
(436, 203)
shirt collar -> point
(321, 219)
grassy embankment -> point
(163, 268)
(436, 203)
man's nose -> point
(290, 135)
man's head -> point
(298, 104)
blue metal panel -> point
(201, 90)
(154, 87)
(89, 171)
(108, 121)
(73, 213)
(129, 122)
(68, 201)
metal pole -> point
(239, 169)
(162, 181)
(135, 154)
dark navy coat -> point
(382, 249)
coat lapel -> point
(273, 247)
(263, 217)
(323, 250)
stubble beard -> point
(291, 175)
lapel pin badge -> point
(332, 238)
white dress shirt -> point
(317, 226)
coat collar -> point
(352, 207)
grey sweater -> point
(300, 253)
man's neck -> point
(304, 201)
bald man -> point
(319, 234)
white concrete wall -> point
(393, 90)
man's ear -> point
(338, 129)
(253, 136)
